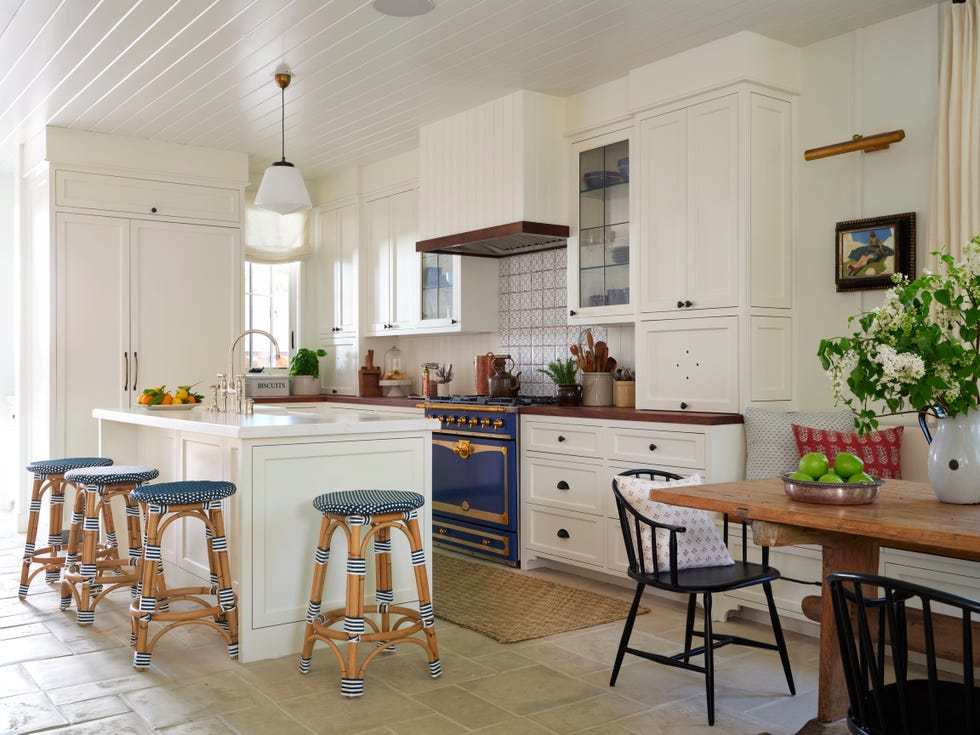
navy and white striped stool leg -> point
(143, 608)
(228, 619)
(30, 544)
(88, 568)
(351, 685)
(321, 557)
(384, 592)
(414, 535)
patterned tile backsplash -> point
(533, 314)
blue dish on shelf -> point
(599, 179)
(623, 164)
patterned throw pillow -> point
(880, 450)
(700, 546)
(770, 449)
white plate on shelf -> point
(171, 407)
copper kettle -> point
(502, 383)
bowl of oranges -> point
(842, 483)
(160, 399)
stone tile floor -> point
(56, 677)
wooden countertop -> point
(579, 412)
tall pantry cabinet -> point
(144, 278)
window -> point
(271, 295)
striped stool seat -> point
(94, 568)
(214, 606)
(364, 516)
(49, 476)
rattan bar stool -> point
(93, 568)
(49, 476)
(364, 515)
(163, 504)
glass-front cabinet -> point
(437, 286)
(599, 252)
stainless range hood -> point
(516, 238)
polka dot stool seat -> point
(163, 504)
(363, 515)
(49, 476)
(94, 569)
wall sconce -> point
(857, 143)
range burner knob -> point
(498, 423)
(441, 419)
(484, 423)
(450, 420)
(473, 421)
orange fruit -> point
(167, 399)
(190, 399)
(143, 399)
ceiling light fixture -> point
(282, 189)
(403, 8)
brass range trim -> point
(466, 407)
(439, 537)
(468, 512)
(456, 432)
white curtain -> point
(271, 237)
(954, 209)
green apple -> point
(814, 464)
(847, 464)
(830, 477)
(860, 477)
(801, 476)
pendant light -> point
(282, 189)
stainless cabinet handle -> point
(136, 369)
(562, 485)
(126, 368)
(562, 533)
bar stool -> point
(163, 504)
(99, 564)
(363, 515)
(49, 475)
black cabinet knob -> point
(561, 438)
(562, 485)
(680, 304)
(562, 533)
(688, 303)
(571, 312)
(453, 321)
(653, 447)
(683, 405)
(153, 209)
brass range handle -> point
(463, 449)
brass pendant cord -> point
(282, 119)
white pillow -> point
(700, 546)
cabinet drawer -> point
(563, 485)
(144, 196)
(656, 449)
(581, 441)
(568, 535)
(616, 558)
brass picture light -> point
(864, 143)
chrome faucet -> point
(229, 376)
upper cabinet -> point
(336, 238)
(599, 283)
(459, 294)
(390, 282)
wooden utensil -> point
(610, 364)
(578, 355)
(601, 353)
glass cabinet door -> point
(604, 225)
(437, 286)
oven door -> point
(475, 479)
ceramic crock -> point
(953, 464)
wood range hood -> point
(515, 238)
(491, 179)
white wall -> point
(878, 78)
(9, 469)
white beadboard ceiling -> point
(200, 71)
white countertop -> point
(272, 422)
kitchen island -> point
(279, 461)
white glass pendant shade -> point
(282, 189)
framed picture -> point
(870, 251)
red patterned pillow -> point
(880, 450)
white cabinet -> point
(336, 240)
(390, 282)
(139, 304)
(338, 370)
(715, 230)
(567, 467)
(458, 294)
(689, 226)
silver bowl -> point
(832, 493)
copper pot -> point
(482, 370)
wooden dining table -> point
(906, 515)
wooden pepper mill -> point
(368, 377)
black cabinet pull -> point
(126, 366)
(153, 209)
(560, 438)
(562, 485)
(453, 321)
(688, 303)
(653, 447)
(683, 405)
(680, 304)
(334, 391)
(562, 533)
(571, 312)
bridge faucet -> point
(231, 353)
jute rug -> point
(511, 606)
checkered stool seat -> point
(214, 606)
(183, 492)
(49, 477)
(368, 502)
(93, 567)
(364, 516)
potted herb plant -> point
(304, 372)
(565, 373)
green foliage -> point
(563, 372)
(305, 362)
(918, 350)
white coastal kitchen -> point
(279, 461)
